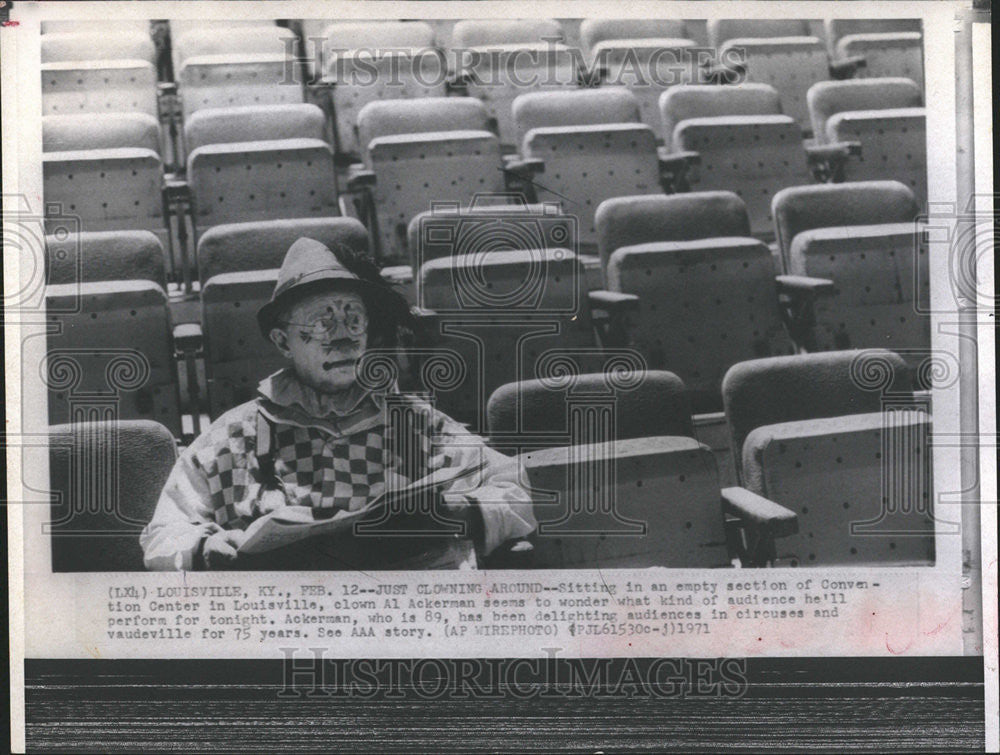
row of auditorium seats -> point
(684, 284)
(817, 457)
(578, 148)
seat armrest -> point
(846, 68)
(523, 168)
(761, 513)
(678, 169)
(826, 161)
(612, 302)
(804, 285)
(397, 274)
(188, 338)
(360, 180)
(723, 73)
(609, 313)
(797, 294)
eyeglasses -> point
(351, 316)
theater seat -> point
(421, 152)
(111, 350)
(752, 155)
(498, 315)
(807, 387)
(644, 502)
(237, 80)
(627, 221)
(577, 107)
(105, 256)
(860, 486)
(803, 208)
(893, 146)
(827, 98)
(227, 39)
(863, 236)
(106, 478)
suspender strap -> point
(264, 452)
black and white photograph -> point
(551, 357)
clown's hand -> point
(221, 548)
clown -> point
(315, 436)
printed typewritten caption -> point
(592, 613)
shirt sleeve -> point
(182, 520)
(497, 489)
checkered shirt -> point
(312, 467)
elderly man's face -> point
(324, 335)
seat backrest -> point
(377, 35)
(896, 54)
(261, 245)
(649, 67)
(99, 86)
(790, 64)
(211, 81)
(838, 28)
(108, 189)
(115, 44)
(882, 294)
(359, 79)
(253, 123)
(808, 386)
(512, 307)
(114, 339)
(682, 103)
(860, 486)
(827, 98)
(663, 508)
(627, 221)
(450, 231)
(417, 116)
(721, 30)
(414, 170)
(70, 133)
(134, 458)
(63, 27)
(753, 156)
(105, 256)
(244, 181)
(595, 30)
(574, 107)
(654, 404)
(499, 74)
(893, 146)
(471, 33)
(234, 40)
(584, 165)
(237, 355)
(802, 208)
(703, 306)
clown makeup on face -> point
(324, 335)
